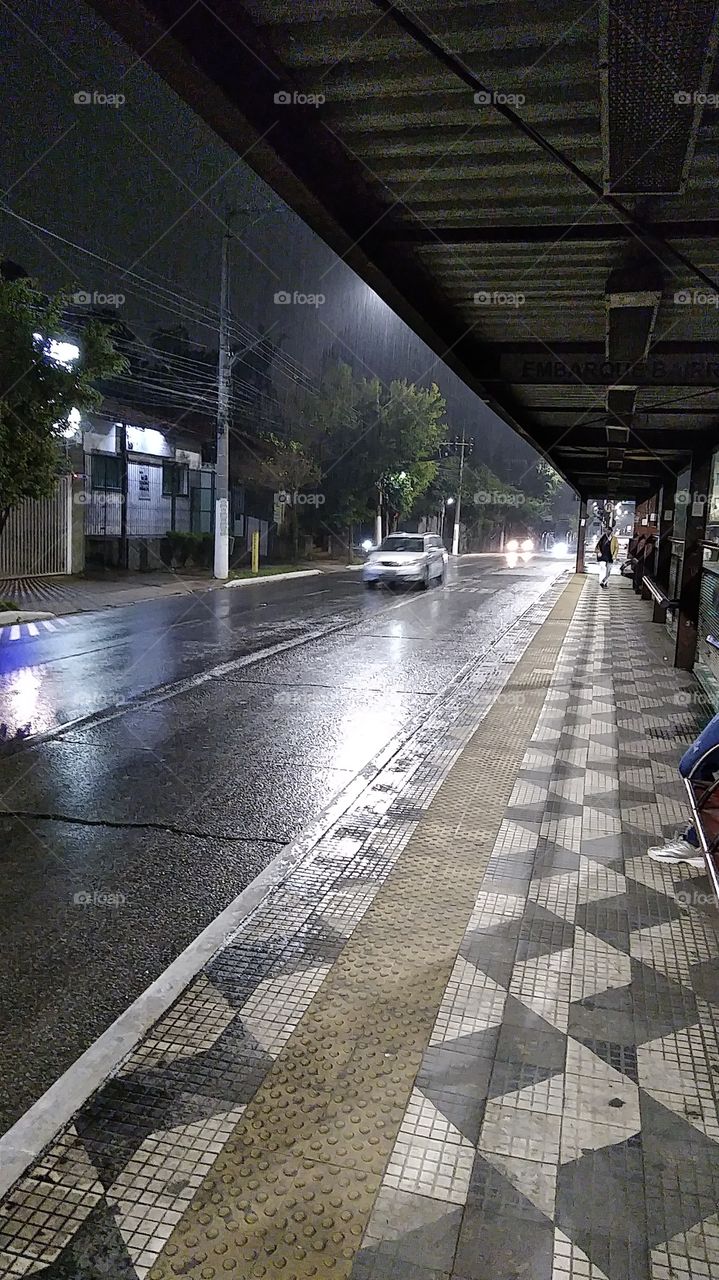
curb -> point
(273, 577)
(20, 615)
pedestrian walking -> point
(606, 550)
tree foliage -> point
(368, 440)
(38, 391)
(374, 444)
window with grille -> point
(106, 472)
(174, 480)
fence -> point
(38, 536)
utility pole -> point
(463, 446)
(378, 532)
(124, 491)
(224, 390)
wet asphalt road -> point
(170, 805)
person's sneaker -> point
(677, 850)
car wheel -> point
(425, 579)
(370, 585)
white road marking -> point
(15, 631)
(32, 629)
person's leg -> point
(685, 846)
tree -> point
(411, 426)
(289, 469)
(360, 441)
(39, 387)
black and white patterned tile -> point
(582, 1016)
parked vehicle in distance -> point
(410, 558)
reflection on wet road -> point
(222, 724)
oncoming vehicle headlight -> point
(512, 545)
(527, 545)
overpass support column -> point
(581, 535)
(690, 583)
(665, 529)
(653, 507)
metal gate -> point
(37, 539)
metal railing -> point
(37, 539)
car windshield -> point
(402, 544)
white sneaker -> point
(677, 850)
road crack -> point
(167, 827)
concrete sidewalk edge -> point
(13, 616)
(271, 577)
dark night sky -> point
(123, 182)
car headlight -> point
(527, 545)
(512, 545)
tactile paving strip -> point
(291, 1192)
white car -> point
(408, 558)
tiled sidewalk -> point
(475, 1036)
(570, 1090)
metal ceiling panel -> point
(656, 64)
(434, 197)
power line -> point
(198, 313)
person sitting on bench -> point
(685, 845)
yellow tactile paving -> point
(291, 1192)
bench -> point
(662, 602)
(704, 805)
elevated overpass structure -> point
(531, 187)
